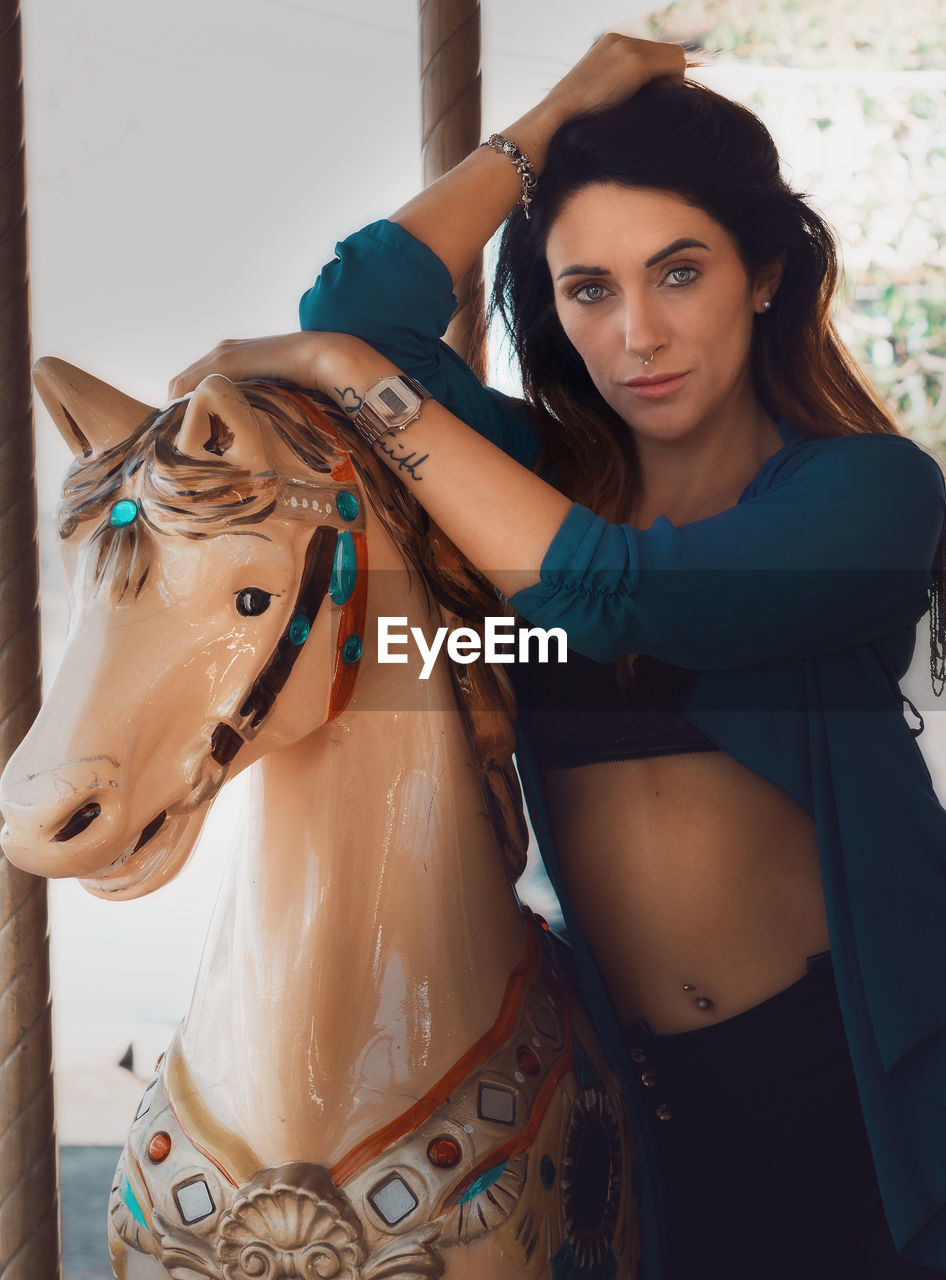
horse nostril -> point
(81, 819)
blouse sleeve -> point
(837, 551)
(388, 288)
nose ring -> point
(650, 358)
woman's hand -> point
(497, 512)
(612, 70)
(303, 358)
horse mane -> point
(202, 499)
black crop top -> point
(577, 712)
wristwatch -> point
(390, 405)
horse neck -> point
(368, 929)
(374, 840)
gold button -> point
(648, 1078)
(663, 1112)
(637, 1055)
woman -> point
(750, 866)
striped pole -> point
(29, 1202)
(450, 129)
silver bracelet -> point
(522, 164)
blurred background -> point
(190, 168)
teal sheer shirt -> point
(798, 609)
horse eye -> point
(252, 601)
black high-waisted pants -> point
(761, 1144)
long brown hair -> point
(718, 156)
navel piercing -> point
(702, 1002)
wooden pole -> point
(450, 129)
(29, 1202)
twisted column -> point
(29, 1204)
(450, 129)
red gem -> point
(444, 1152)
(159, 1148)
(528, 1060)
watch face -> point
(393, 401)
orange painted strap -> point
(352, 622)
(147, 1189)
(203, 1150)
(519, 1141)
(487, 1044)
(343, 471)
(344, 674)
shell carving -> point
(290, 1224)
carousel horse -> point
(384, 1071)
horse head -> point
(215, 560)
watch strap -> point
(371, 426)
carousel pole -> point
(450, 130)
(29, 1202)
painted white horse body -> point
(384, 1071)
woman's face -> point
(638, 271)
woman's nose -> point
(642, 331)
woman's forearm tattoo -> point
(351, 400)
(408, 462)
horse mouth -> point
(151, 830)
(146, 864)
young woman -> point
(743, 834)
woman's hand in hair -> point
(612, 70)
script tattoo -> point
(351, 401)
(408, 462)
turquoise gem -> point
(346, 504)
(129, 1198)
(344, 570)
(481, 1184)
(351, 649)
(299, 629)
(123, 513)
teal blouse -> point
(798, 608)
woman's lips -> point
(658, 387)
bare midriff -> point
(693, 878)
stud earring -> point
(766, 304)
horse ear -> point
(220, 420)
(91, 416)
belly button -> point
(701, 1002)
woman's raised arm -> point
(456, 215)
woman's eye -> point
(688, 272)
(252, 601)
(590, 292)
